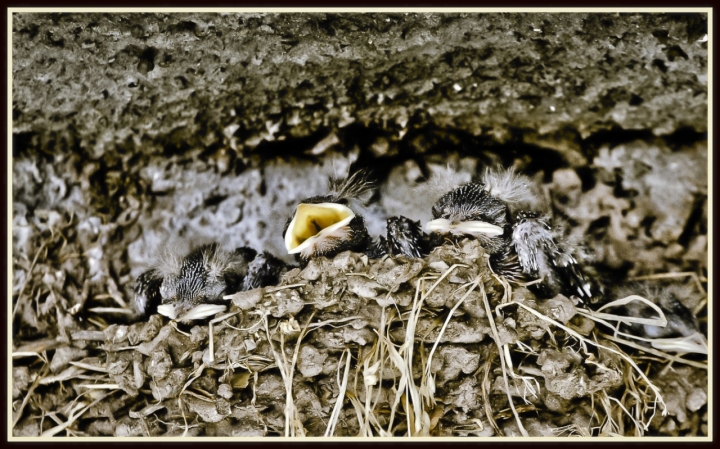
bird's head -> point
(325, 225)
(469, 210)
(196, 283)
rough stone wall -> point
(180, 118)
(102, 83)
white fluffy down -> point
(508, 186)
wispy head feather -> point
(219, 262)
(169, 259)
(352, 187)
(442, 179)
(506, 185)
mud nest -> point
(240, 135)
(350, 346)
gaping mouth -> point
(313, 221)
(464, 227)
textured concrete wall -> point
(170, 125)
(111, 82)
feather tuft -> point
(169, 260)
(442, 180)
(352, 187)
(508, 186)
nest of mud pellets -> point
(352, 346)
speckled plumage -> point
(473, 202)
(540, 256)
(265, 269)
(377, 248)
(527, 248)
(147, 292)
(203, 276)
(406, 237)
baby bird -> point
(521, 248)
(681, 322)
(471, 210)
(404, 237)
(264, 270)
(539, 255)
(325, 225)
(147, 292)
(192, 287)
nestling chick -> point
(521, 249)
(681, 322)
(192, 287)
(325, 225)
(147, 292)
(405, 237)
(471, 210)
(264, 270)
(540, 256)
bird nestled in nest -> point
(404, 237)
(192, 287)
(496, 210)
(325, 225)
(681, 321)
(521, 244)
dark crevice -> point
(646, 224)
(598, 228)
(587, 178)
(694, 221)
(215, 200)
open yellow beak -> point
(313, 221)
(464, 227)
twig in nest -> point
(75, 413)
(341, 395)
(194, 375)
(486, 396)
(211, 335)
(496, 338)
(28, 276)
(403, 359)
(668, 357)
(693, 343)
(427, 386)
(111, 310)
(291, 423)
(29, 393)
(275, 289)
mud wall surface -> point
(204, 111)
(132, 132)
